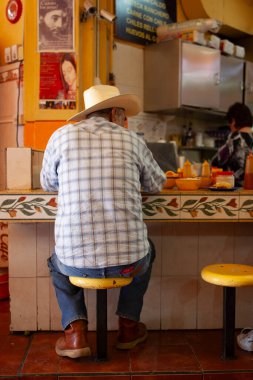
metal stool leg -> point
(101, 324)
(228, 322)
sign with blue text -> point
(137, 20)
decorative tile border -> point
(16, 207)
(161, 207)
(246, 208)
(166, 206)
(209, 207)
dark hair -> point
(241, 114)
(70, 58)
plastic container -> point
(188, 183)
(4, 283)
(187, 169)
(205, 170)
(248, 177)
(225, 178)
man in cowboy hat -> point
(98, 168)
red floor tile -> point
(207, 346)
(41, 357)
(13, 349)
(48, 377)
(170, 358)
(168, 377)
(228, 376)
(106, 377)
(118, 363)
(4, 317)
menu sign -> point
(137, 20)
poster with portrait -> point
(58, 79)
(55, 22)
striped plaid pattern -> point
(98, 169)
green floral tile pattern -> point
(213, 207)
(18, 207)
(160, 207)
(27, 207)
(246, 208)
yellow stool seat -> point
(232, 275)
(229, 276)
(100, 283)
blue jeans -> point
(71, 298)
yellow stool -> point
(101, 285)
(230, 276)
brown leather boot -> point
(130, 333)
(74, 342)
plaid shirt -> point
(98, 169)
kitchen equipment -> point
(165, 155)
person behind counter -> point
(98, 168)
(232, 155)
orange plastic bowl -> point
(188, 183)
(170, 182)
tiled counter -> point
(177, 296)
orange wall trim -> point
(37, 133)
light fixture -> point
(89, 9)
(107, 15)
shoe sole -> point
(73, 354)
(245, 347)
(129, 345)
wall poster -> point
(58, 80)
(137, 20)
(55, 25)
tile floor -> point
(167, 355)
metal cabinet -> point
(231, 81)
(248, 88)
(178, 74)
(200, 72)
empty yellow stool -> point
(101, 285)
(230, 276)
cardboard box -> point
(23, 167)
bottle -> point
(190, 138)
(205, 171)
(184, 136)
(248, 176)
(187, 169)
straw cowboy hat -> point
(101, 96)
